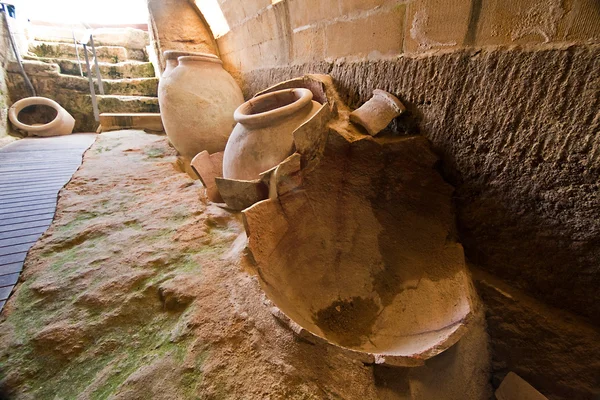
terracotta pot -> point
(263, 136)
(197, 99)
(62, 124)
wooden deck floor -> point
(32, 171)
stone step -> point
(128, 104)
(45, 76)
(126, 69)
(116, 121)
(109, 54)
(130, 38)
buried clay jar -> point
(263, 136)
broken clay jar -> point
(378, 112)
(197, 100)
(263, 136)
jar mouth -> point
(175, 54)
(272, 106)
(202, 58)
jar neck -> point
(170, 64)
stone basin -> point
(363, 255)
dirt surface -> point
(137, 291)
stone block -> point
(274, 52)
(309, 44)
(353, 6)
(519, 22)
(581, 22)
(233, 12)
(435, 24)
(303, 13)
(253, 7)
(380, 33)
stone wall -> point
(265, 35)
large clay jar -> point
(197, 99)
(263, 136)
(171, 62)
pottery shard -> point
(283, 178)
(240, 194)
(208, 167)
(378, 112)
(513, 387)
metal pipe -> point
(16, 51)
(77, 52)
(91, 81)
(98, 75)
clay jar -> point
(263, 136)
(197, 99)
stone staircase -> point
(130, 84)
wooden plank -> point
(26, 216)
(5, 291)
(9, 279)
(15, 249)
(22, 204)
(53, 186)
(11, 268)
(34, 176)
(42, 222)
(22, 232)
(13, 258)
(35, 194)
(49, 168)
(10, 185)
(14, 241)
(43, 209)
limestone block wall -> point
(265, 35)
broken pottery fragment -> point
(513, 387)
(240, 194)
(263, 136)
(378, 112)
(197, 100)
(354, 251)
(208, 167)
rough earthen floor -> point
(32, 171)
(138, 290)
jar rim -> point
(201, 58)
(272, 106)
(175, 54)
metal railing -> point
(86, 40)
